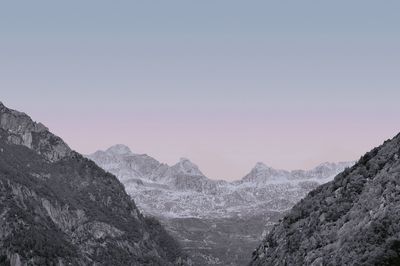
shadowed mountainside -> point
(353, 220)
(59, 208)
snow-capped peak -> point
(119, 149)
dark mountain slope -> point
(59, 208)
(353, 220)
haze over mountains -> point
(213, 219)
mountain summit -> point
(185, 166)
(261, 173)
(353, 220)
(119, 149)
(59, 208)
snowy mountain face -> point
(186, 201)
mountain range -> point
(142, 174)
(213, 219)
(58, 207)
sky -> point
(223, 83)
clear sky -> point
(224, 83)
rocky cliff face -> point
(353, 220)
(22, 130)
(59, 208)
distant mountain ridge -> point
(120, 160)
(262, 173)
(184, 175)
(206, 214)
(59, 208)
(154, 184)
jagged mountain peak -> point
(262, 173)
(120, 161)
(119, 149)
(185, 166)
(260, 166)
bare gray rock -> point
(23, 131)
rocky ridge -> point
(23, 131)
(59, 208)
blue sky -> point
(224, 83)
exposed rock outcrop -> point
(23, 131)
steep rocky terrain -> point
(59, 208)
(353, 220)
(217, 222)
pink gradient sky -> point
(223, 83)
(225, 145)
